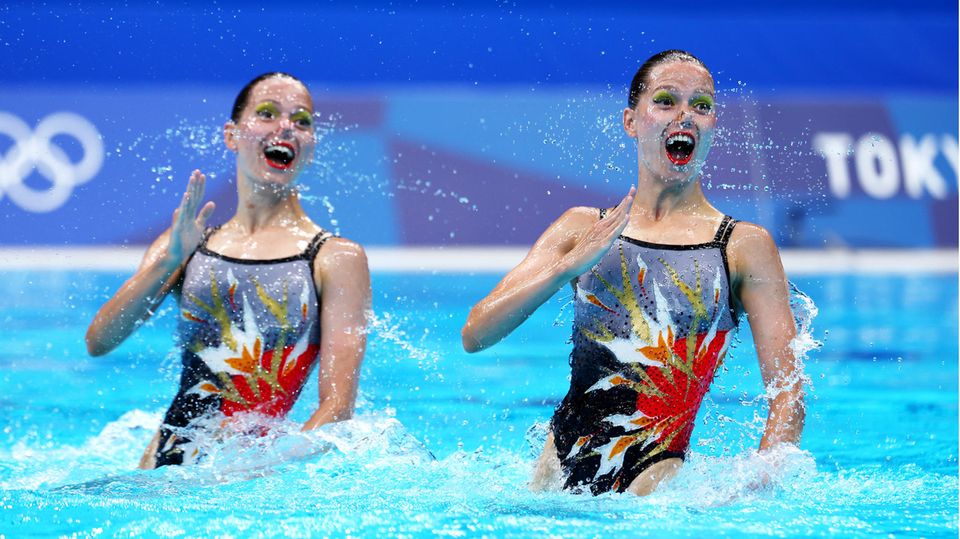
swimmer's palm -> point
(188, 226)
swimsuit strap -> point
(310, 253)
(603, 212)
(203, 244)
(724, 230)
(207, 233)
(724, 238)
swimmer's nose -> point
(685, 118)
(286, 126)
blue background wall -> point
(478, 123)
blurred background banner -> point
(480, 123)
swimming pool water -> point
(444, 441)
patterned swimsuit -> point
(651, 325)
(250, 334)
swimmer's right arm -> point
(570, 246)
(157, 275)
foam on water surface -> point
(438, 448)
(369, 476)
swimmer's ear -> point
(630, 122)
(230, 135)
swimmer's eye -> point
(302, 119)
(663, 98)
(266, 111)
(702, 104)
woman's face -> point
(674, 120)
(274, 138)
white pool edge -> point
(496, 260)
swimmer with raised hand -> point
(262, 298)
(659, 283)
(571, 246)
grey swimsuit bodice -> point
(249, 334)
(652, 323)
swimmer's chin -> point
(685, 172)
(279, 181)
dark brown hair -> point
(244, 96)
(641, 79)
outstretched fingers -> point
(191, 199)
(616, 220)
(622, 211)
(198, 185)
(195, 190)
(205, 213)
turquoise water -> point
(444, 441)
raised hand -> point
(141, 294)
(550, 264)
(596, 241)
(188, 226)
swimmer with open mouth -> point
(659, 282)
(253, 291)
(679, 147)
(280, 155)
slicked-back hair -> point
(642, 77)
(244, 96)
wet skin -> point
(667, 206)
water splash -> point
(386, 329)
(584, 136)
(734, 412)
(117, 447)
(724, 480)
(369, 475)
(338, 168)
(804, 312)
(200, 140)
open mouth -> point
(680, 147)
(280, 155)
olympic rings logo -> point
(34, 149)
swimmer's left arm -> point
(763, 291)
(343, 278)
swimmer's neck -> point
(657, 199)
(260, 207)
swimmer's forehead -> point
(282, 91)
(679, 76)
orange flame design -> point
(622, 445)
(247, 362)
(593, 299)
(191, 317)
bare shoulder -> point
(341, 265)
(752, 235)
(340, 255)
(752, 250)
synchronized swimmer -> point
(262, 298)
(660, 282)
